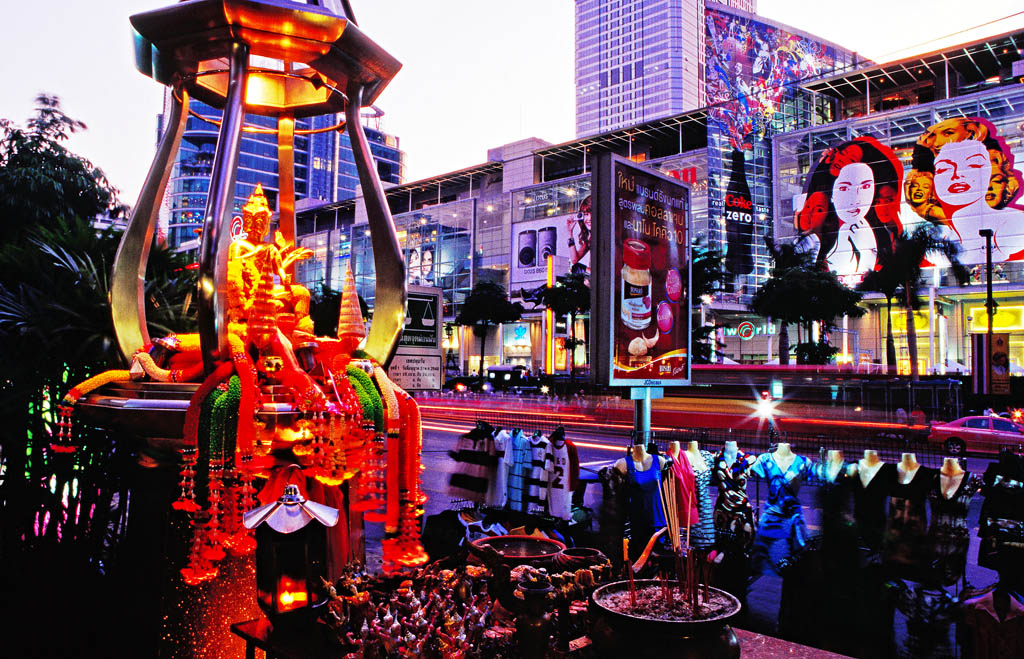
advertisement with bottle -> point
(739, 219)
(642, 273)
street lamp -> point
(990, 305)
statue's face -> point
(257, 224)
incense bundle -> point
(629, 571)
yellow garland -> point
(95, 382)
(387, 392)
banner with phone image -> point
(565, 237)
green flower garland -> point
(373, 407)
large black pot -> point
(617, 634)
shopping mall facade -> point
(496, 220)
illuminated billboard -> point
(641, 294)
(858, 199)
(749, 67)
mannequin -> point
(643, 488)
(733, 516)
(906, 550)
(641, 459)
(948, 531)
(784, 456)
(834, 465)
(868, 467)
(702, 530)
(695, 456)
(673, 449)
(781, 529)
(907, 468)
(950, 476)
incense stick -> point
(629, 571)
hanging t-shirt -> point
(474, 466)
(574, 466)
(541, 466)
(518, 470)
(497, 493)
(559, 491)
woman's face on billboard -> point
(962, 172)
(920, 188)
(853, 192)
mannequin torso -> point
(642, 460)
(784, 457)
(693, 454)
(868, 467)
(950, 476)
(907, 468)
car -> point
(462, 383)
(984, 434)
(515, 378)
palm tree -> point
(486, 305)
(569, 296)
(775, 299)
(900, 274)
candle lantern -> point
(291, 553)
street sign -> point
(416, 372)
(423, 319)
(418, 364)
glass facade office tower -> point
(639, 60)
(324, 167)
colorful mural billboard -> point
(749, 66)
(961, 180)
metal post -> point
(642, 397)
(931, 330)
(389, 292)
(213, 249)
(990, 304)
(286, 177)
(128, 277)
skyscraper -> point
(324, 166)
(638, 60)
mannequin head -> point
(835, 456)
(639, 452)
(731, 448)
(673, 448)
(871, 457)
(784, 449)
(693, 446)
(908, 460)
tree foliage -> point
(899, 277)
(40, 180)
(798, 292)
(55, 322)
(485, 306)
(706, 276)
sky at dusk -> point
(476, 74)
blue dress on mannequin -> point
(781, 531)
(645, 513)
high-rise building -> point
(639, 60)
(324, 166)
